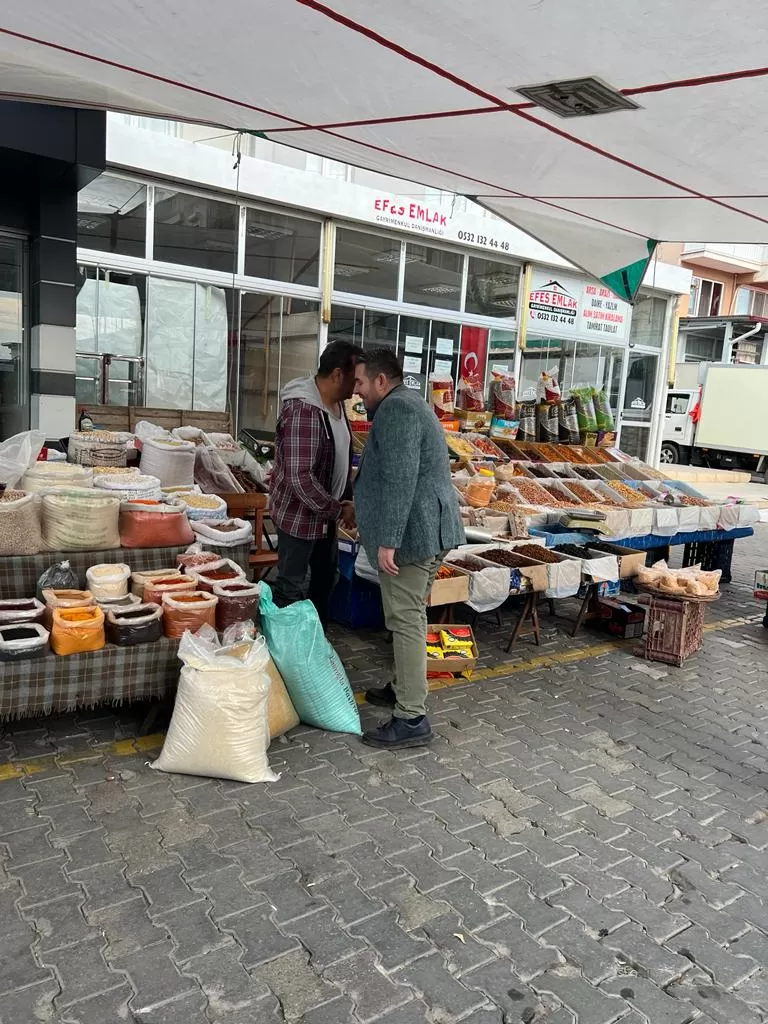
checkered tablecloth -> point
(113, 675)
(19, 573)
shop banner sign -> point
(564, 306)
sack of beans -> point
(171, 460)
(188, 611)
(194, 557)
(154, 589)
(80, 520)
(139, 580)
(237, 602)
(202, 506)
(141, 624)
(223, 533)
(20, 532)
(216, 572)
(45, 476)
(77, 630)
(146, 523)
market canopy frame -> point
(430, 92)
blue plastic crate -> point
(356, 604)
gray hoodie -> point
(304, 389)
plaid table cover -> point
(19, 573)
(113, 675)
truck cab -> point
(679, 428)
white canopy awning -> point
(428, 92)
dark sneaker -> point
(382, 697)
(400, 732)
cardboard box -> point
(624, 619)
(474, 420)
(449, 591)
(449, 664)
(629, 559)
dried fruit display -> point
(507, 558)
(533, 493)
(630, 496)
(587, 473)
(582, 492)
(538, 552)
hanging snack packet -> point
(585, 407)
(547, 429)
(527, 428)
(568, 422)
(441, 395)
(503, 395)
(470, 394)
(548, 389)
(603, 412)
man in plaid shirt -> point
(310, 488)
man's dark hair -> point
(382, 360)
(339, 355)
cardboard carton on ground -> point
(449, 664)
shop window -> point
(705, 297)
(278, 341)
(187, 345)
(112, 216)
(634, 441)
(366, 264)
(346, 325)
(575, 363)
(492, 288)
(647, 325)
(14, 412)
(195, 231)
(110, 321)
(282, 248)
(432, 277)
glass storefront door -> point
(637, 409)
(14, 391)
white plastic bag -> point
(219, 724)
(172, 461)
(17, 454)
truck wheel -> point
(669, 455)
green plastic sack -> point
(603, 412)
(311, 669)
(585, 407)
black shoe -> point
(400, 732)
(382, 697)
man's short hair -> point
(339, 355)
(382, 360)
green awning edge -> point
(625, 282)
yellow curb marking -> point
(142, 744)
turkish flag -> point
(474, 350)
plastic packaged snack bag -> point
(585, 408)
(470, 396)
(219, 723)
(503, 395)
(441, 395)
(527, 428)
(548, 389)
(311, 669)
(568, 422)
(603, 412)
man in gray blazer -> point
(408, 517)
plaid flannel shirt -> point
(300, 499)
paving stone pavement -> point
(585, 841)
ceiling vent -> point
(578, 97)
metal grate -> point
(578, 97)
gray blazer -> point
(404, 497)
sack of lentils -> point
(20, 524)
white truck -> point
(723, 423)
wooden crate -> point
(125, 417)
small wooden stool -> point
(529, 613)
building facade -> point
(46, 155)
(212, 268)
